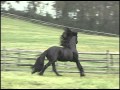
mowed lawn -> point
(24, 80)
(21, 34)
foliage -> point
(99, 16)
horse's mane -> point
(64, 39)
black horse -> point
(66, 53)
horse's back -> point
(54, 49)
(53, 52)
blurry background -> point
(101, 16)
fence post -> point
(108, 60)
(111, 58)
(19, 56)
(4, 61)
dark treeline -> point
(101, 16)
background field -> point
(24, 35)
(21, 34)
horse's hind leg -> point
(54, 69)
(45, 67)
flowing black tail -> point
(39, 64)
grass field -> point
(21, 34)
(24, 80)
(17, 33)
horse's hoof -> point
(59, 75)
(40, 74)
(33, 72)
(82, 74)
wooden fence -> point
(92, 62)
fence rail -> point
(93, 62)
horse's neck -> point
(73, 48)
(73, 44)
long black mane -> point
(66, 36)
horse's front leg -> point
(80, 68)
(54, 69)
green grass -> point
(20, 80)
(21, 34)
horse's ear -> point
(67, 30)
(75, 33)
(64, 35)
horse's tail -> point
(39, 64)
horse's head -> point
(67, 37)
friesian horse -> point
(67, 52)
